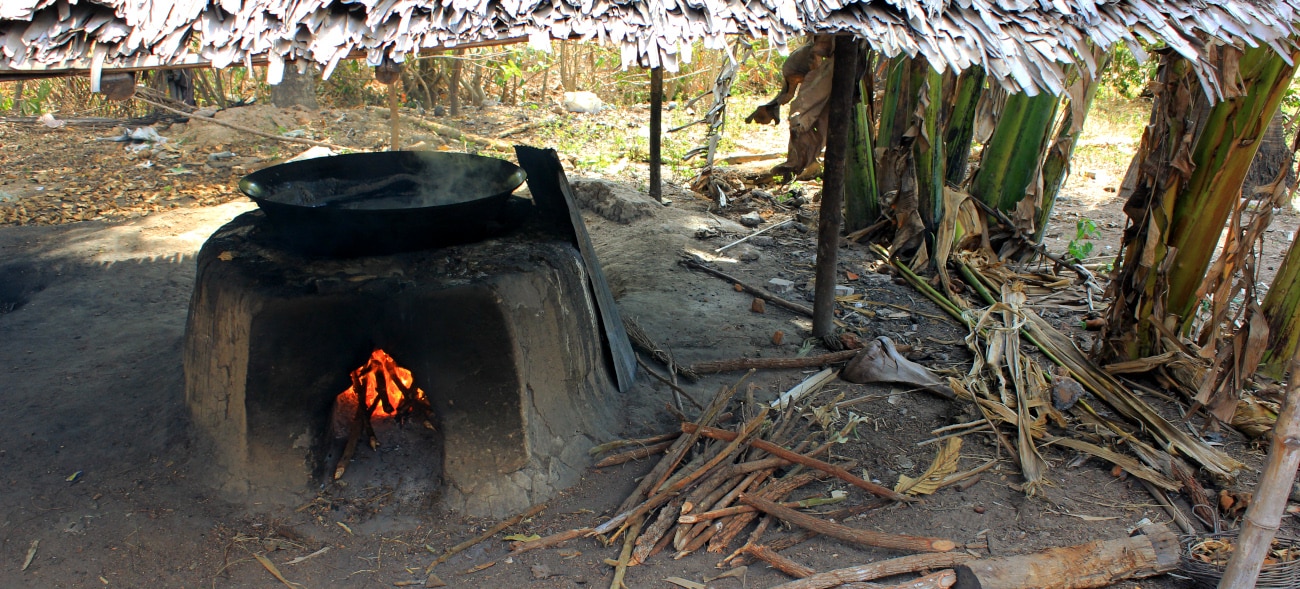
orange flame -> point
(389, 388)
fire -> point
(388, 391)
(389, 388)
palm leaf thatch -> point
(1024, 46)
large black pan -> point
(384, 202)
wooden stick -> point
(676, 452)
(642, 340)
(854, 535)
(648, 544)
(239, 128)
(825, 467)
(744, 159)
(617, 444)
(494, 530)
(1264, 516)
(779, 562)
(940, 580)
(549, 541)
(695, 518)
(876, 570)
(631, 455)
(678, 391)
(776, 491)
(759, 292)
(621, 569)
(665, 495)
(715, 366)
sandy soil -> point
(100, 481)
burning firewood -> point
(379, 388)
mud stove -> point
(511, 340)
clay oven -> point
(504, 336)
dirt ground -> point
(101, 487)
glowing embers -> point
(388, 391)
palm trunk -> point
(861, 193)
(1223, 154)
(1182, 184)
(927, 149)
(1056, 166)
(961, 125)
(1011, 159)
(1282, 308)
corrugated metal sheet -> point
(1021, 43)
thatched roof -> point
(1023, 44)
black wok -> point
(384, 202)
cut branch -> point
(715, 366)
(775, 450)
(854, 535)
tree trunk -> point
(453, 90)
(840, 113)
(296, 89)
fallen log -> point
(1095, 564)
(847, 534)
(780, 562)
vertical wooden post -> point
(656, 132)
(453, 93)
(1264, 516)
(839, 115)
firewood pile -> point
(720, 488)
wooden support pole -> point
(453, 91)
(1264, 516)
(840, 113)
(656, 132)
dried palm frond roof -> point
(1024, 44)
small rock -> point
(760, 193)
(876, 279)
(905, 463)
(747, 254)
(540, 571)
(763, 241)
(751, 219)
(979, 509)
(800, 227)
(779, 336)
(758, 306)
(439, 111)
(434, 581)
(780, 285)
(706, 232)
(582, 102)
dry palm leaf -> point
(945, 463)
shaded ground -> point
(94, 444)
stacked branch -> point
(715, 481)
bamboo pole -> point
(1264, 516)
(832, 216)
